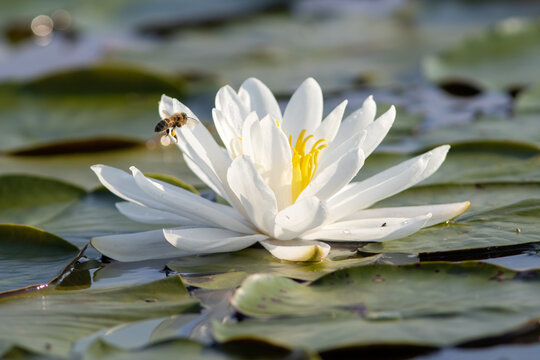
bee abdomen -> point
(160, 126)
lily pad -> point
(71, 118)
(228, 270)
(190, 349)
(529, 100)
(326, 333)
(393, 292)
(484, 133)
(75, 168)
(30, 200)
(104, 80)
(54, 319)
(502, 57)
(31, 256)
(431, 304)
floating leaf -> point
(31, 256)
(104, 80)
(499, 58)
(71, 118)
(228, 270)
(26, 199)
(54, 319)
(432, 304)
(529, 100)
(325, 333)
(75, 168)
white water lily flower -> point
(287, 177)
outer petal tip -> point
(297, 250)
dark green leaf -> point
(54, 319)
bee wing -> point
(165, 114)
(191, 122)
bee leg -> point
(173, 136)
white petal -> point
(209, 240)
(369, 229)
(357, 121)
(190, 205)
(297, 250)
(268, 148)
(136, 247)
(330, 125)
(300, 217)
(178, 107)
(166, 108)
(256, 197)
(377, 130)
(331, 154)
(224, 129)
(440, 212)
(251, 136)
(208, 157)
(330, 180)
(360, 195)
(304, 110)
(123, 185)
(232, 108)
(148, 215)
(261, 99)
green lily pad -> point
(500, 214)
(75, 168)
(393, 292)
(121, 119)
(94, 215)
(54, 319)
(104, 80)
(30, 199)
(529, 100)
(228, 270)
(486, 133)
(190, 349)
(31, 256)
(502, 57)
(326, 333)
(431, 304)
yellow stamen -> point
(304, 164)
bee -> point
(170, 122)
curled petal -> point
(260, 99)
(377, 130)
(136, 247)
(369, 229)
(330, 180)
(255, 196)
(297, 250)
(300, 217)
(190, 205)
(148, 215)
(209, 240)
(360, 195)
(356, 121)
(440, 212)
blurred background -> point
(80, 80)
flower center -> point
(304, 163)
